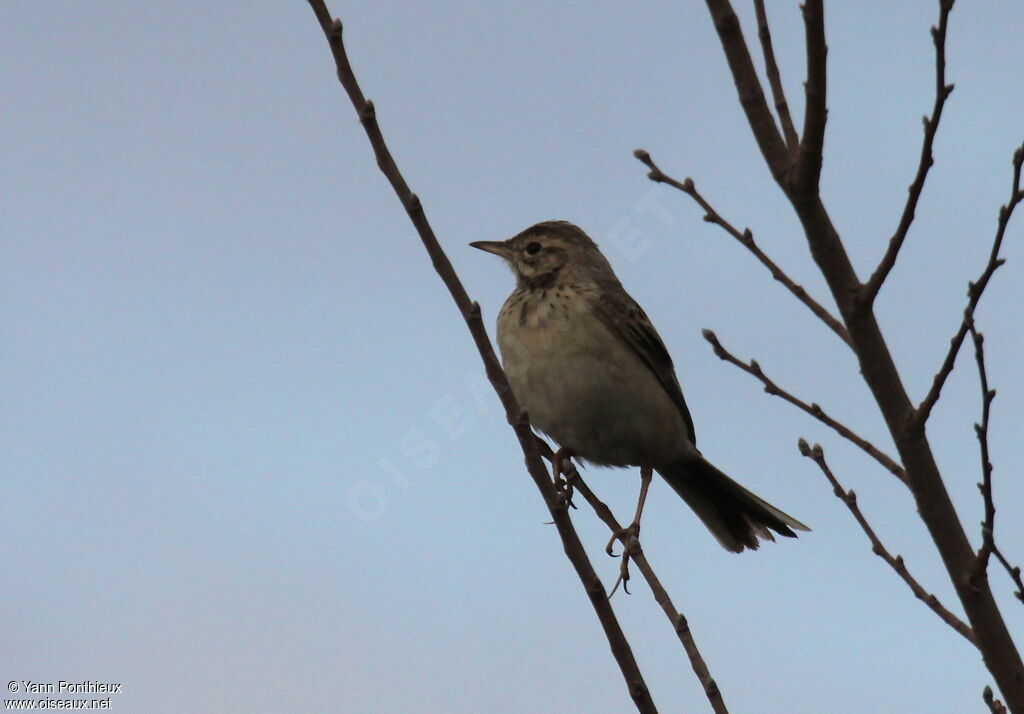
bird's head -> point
(548, 253)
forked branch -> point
(974, 292)
(931, 127)
(905, 422)
(661, 596)
(746, 238)
(849, 498)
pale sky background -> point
(250, 461)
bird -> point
(586, 364)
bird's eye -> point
(533, 248)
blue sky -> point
(250, 461)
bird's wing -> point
(626, 319)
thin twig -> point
(931, 127)
(748, 87)
(471, 314)
(678, 621)
(988, 526)
(994, 705)
(974, 292)
(808, 165)
(981, 431)
(753, 368)
(661, 596)
(1014, 572)
(746, 238)
(774, 79)
(849, 498)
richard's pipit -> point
(590, 369)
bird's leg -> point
(646, 474)
(633, 530)
(630, 536)
(563, 486)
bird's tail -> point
(735, 516)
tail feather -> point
(734, 515)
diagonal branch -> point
(813, 409)
(988, 526)
(471, 314)
(678, 620)
(931, 127)
(748, 86)
(661, 596)
(849, 498)
(981, 430)
(747, 239)
(974, 292)
(1014, 572)
(774, 79)
(808, 165)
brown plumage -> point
(590, 369)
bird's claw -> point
(631, 545)
(564, 477)
(564, 491)
(626, 536)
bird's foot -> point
(626, 536)
(630, 539)
(564, 475)
(630, 536)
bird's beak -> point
(493, 246)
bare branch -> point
(931, 127)
(981, 430)
(774, 79)
(471, 314)
(661, 596)
(808, 166)
(813, 409)
(631, 544)
(746, 238)
(748, 86)
(988, 526)
(849, 498)
(994, 705)
(974, 292)
(904, 421)
(679, 621)
(1014, 572)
